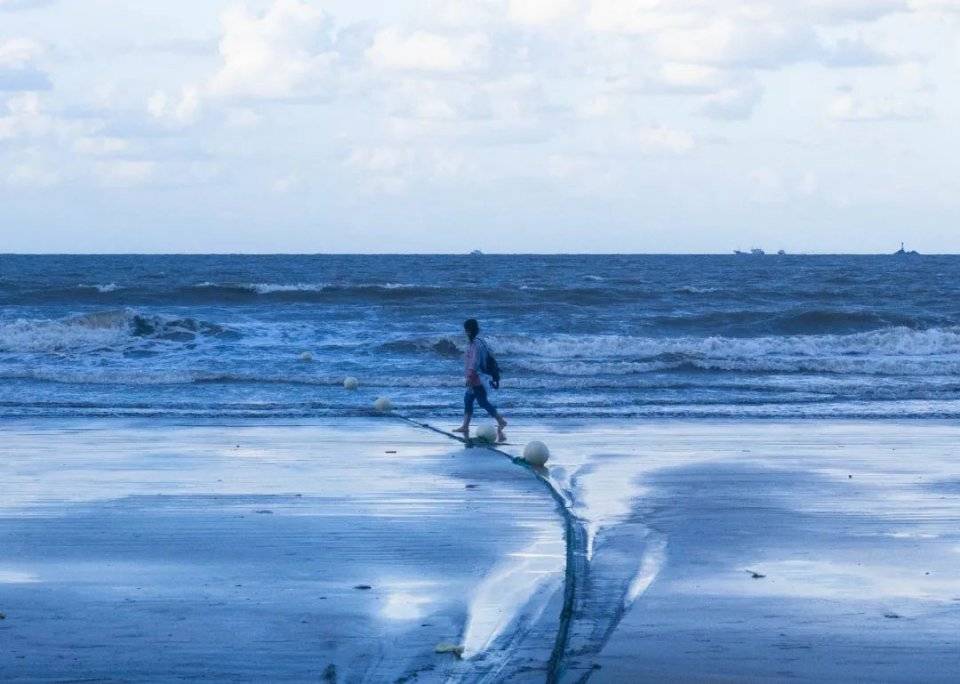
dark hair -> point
(471, 327)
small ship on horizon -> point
(756, 251)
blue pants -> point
(478, 394)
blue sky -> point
(505, 125)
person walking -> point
(482, 376)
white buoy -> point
(383, 405)
(351, 383)
(536, 453)
(487, 433)
(306, 357)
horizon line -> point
(468, 254)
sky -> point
(612, 126)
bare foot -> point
(502, 422)
(501, 437)
(462, 429)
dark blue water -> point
(582, 336)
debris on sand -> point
(892, 616)
(444, 647)
(363, 587)
(264, 511)
(755, 575)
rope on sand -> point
(575, 536)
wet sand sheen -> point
(812, 550)
(288, 552)
(700, 551)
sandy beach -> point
(351, 550)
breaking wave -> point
(102, 331)
(891, 351)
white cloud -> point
(18, 69)
(729, 42)
(768, 185)
(101, 146)
(393, 169)
(240, 117)
(284, 52)
(427, 51)
(182, 111)
(18, 52)
(378, 159)
(286, 183)
(536, 12)
(939, 6)
(472, 13)
(31, 174)
(13, 5)
(735, 102)
(124, 173)
(849, 52)
(24, 117)
(848, 106)
(655, 139)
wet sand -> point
(765, 551)
(151, 552)
(760, 551)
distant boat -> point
(904, 252)
(756, 251)
(476, 252)
(781, 253)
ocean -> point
(576, 336)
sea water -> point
(576, 336)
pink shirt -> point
(469, 365)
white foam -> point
(522, 583)
(268, 288)
(693, 289)
(38, 336)
(103, 289)
(650, 566)
(892, 351)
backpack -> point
(492, 368)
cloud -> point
(937, 6)
(427, 51)
(539, 12)
(392, 169)
(17, 69)
(284, 52)
(178, 112)
(764, 34)
(24, 117)
(658, 139)
(733, 103)
(731, 43)
(32, 175)
(14, 5)
(847, 106)
(124, 173)
(101, 146)
(849, 52)
(768, 185)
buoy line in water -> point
(575, 537)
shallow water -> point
(577, 336)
